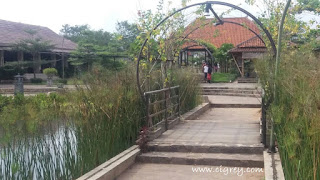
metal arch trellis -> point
(208, 7)
(199, 44)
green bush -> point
(8, 73)
(62, 81)
(36, 80)
(223, 77)
(50, 72)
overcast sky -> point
(99, 14)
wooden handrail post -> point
(166, 109)
(148, 120)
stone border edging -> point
(114, 166)
(195, 112)
(271, 172)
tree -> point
(34, 46)
(127, 33)
(86, 54)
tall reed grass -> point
(297, 113)
(63, 136)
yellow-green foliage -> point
(50, 71)
(297, 113)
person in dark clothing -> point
(209, 73)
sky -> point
(98, 14)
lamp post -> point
(18, 84)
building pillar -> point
(54, 59)
(20, 56)
(1, 58)
(63, 64)
(242, 67)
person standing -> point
(205, 71)
(209, 73)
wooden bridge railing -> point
(162, 106)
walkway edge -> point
(195, 112)
(114, 166)
(118, 164)
(272, 166)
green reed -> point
(63, 136)
(296, 116)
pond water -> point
(40, 157)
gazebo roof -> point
(254, 44)
(13, 32)
(221, 34)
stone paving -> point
(217, 127)
(149, 171)
(233, 100)
(231, 85)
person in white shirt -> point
(205, 71)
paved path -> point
(149, 171)
(233, 100)
(231, 85)
(221, 138)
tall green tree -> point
(34, 46)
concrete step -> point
(44, 90)
(230, 94)
(212, 148)
(232, 91)
(215, 105)
(211, 159)
(247, 81)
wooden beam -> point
(1, 58)
(235, 61)
(54, 58)
(20, 56)
(63, 63)
(242, 74)
(187, 61)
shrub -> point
(36, 80)
(62, 81)
(50, 72)
(8, 73)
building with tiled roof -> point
(240, 31)
(12, 33)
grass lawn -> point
(223, 77)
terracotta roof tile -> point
(254, 44)
(226, 33)
(12, 32)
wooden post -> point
(20, 56)
(187, 59)
(1, 58)
(205, 56)
(63, 63)
(54, 59)
(179, 102)
(236, 62)
(148, 119)
(166, 109)
(242, 68)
